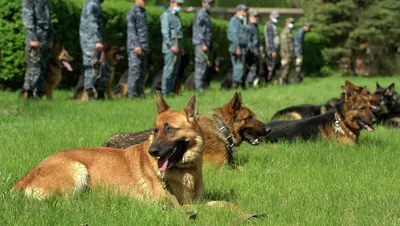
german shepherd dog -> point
(352, 114)
(60, 59)
(389, 114)
(223, 128)
(309, 110)
(171, 155)
(113, 56)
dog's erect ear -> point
(351, 85)
(240, 98)
(161, 104)
(348, 94)
(378, 86)
(364, 91)
(390, 90)
(235, 102)
(192, 110)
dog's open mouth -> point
(365, 125)
(67, 65)
(173, 156)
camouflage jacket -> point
(271, 38)
(286, 42)
(171, 29)
(236, 34)
(91, 24)
(37, 20)
(253, 44)
(299, 42)
(138, 34)
(202, 28)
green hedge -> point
(66, 17)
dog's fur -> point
(309, 110)
(173, 151)
(354, 112)
(389, 113)
(113, 54)
(240, 120)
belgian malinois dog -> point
(389, 114)
(352, 114)
(223, 129)
(172, 154)
(309, 110)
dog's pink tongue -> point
(369, 128)
(162, 164)
(67, 65)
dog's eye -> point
(249, 118)
(168, 128)
(155, 131)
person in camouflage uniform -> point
(138, 47)
(238, 42)
(172, 45)
(286, 40)
(202, 39)
(91, 38)
(253, 48)
(299, 48)
(38, 41)
(271, 44)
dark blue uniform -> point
(238, 40)
(171, 29)
(137, 37)
(202, 35)
(36, 19)
(253, 48)
(90, 33)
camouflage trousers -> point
(170, 72)
(252, 61)
(200, 68)
(238, 67)
(286, 63)
(137, 73)
(37, 64)
(92, 66)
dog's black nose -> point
(154, 152)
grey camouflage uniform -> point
(171, 29)
(202, 35)
(253, 48)
(90, 33)
(36, 19)
(271, 45)
(238, 40)
(137, 37)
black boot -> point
(100, 96)
(90, 94)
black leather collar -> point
(225, 131)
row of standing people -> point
(243, 40)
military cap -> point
(274, 14)
(290, 20)
(241, 7)
(253, 13)
(178, 1)
(307, 24)
(209, 1)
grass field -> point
(302, 183)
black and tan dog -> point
(113, 54)
(352, 114)
(389, 114)
(171, 155)
(310, 110)
(223, 129)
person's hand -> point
(238, 52)
(138, 50)
(99, 46)
(204, 48)
(50, 44)
(261, 49)
(273, 54)
(34, 44)
(175, 49)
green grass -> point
(303, 183)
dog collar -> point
(225, 131)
